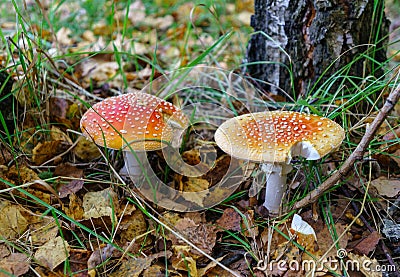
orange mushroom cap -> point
(278, 135)
(144, 121)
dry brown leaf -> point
(194, 184)
(134, 267)
(220, 272)
(200, 234)
(205, 270)
(98, 70)
(68, 170)
(88, 36)
(12, 223)
(47, 150)
(100, 255)
(78, 262)
(43, 231)
(4, 251)
(181, 260)
(15, 265)
(57, 134)
(63, 36)
(137, 12)
(100, 203)
(53, 253)
(160, 23)
(72, 187)
(368, 244)
(230, 220)
(366, 265)
(386, 187)
(325, 241)
(44, 196)
(86, 150)
(64, 112)
(74, 209)
(154, 271)
(5, 154)
(192, 156)
(22, 174)
(132, 226)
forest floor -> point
(65, 206)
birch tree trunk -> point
(314, 39)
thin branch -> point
(358, 153)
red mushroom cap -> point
(277, 136)
(145, 121)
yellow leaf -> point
(53, 253)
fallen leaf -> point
(132, 226)
(68, 170)
(136, 13)
(57, 134)
(325, 240)
(63, 36)
(14, 265)
(43, 231)
(100, 255)
(205, 270)
(88, 36)
(100, 203)
(78, 259)
(72, 187)
(386, 187)
(194, 184)
(183, 261)
(86, 150)
(47, 150)
(200, 234)
(53, 253)
(155, 271)
(350, 216)
(4, 251)
(74, 209)
(365, 246)
(5, 154)
(369, 267)
(12, 223)
(230, 220)
(134, 267)
(192, 156)
(22, 174)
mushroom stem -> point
(275, 185)
(133, 163)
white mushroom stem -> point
(275, 185)
(134, 163)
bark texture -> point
(310, 36)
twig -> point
(358, 153)
(382, 244)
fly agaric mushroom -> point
(272, 139)
(134, 121)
